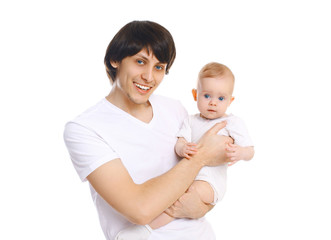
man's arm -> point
(141, 203)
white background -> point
(51, 61)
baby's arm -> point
(185, 149)
(237, 153)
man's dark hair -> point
(134, 37)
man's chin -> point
(140, 99)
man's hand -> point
(189, 206)
(211, 147)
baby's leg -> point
(160, 221)
(206, 194)
(204, 190)
(138, 232)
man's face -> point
(138, 76)
(214, 95)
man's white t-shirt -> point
(195, 126)
(105, 132)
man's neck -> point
(142, 111)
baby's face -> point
(214, 96)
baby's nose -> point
(212, 102)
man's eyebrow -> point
(142, 55)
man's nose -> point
(148, 74)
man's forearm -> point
(141, 203)
(159, 193)
(168, 187)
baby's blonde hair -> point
(213, 70)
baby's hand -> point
(187, 150)
(234, 153)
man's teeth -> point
(142, 87)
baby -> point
(213, 96)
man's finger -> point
(169, 212)
(177, 204)
(216, 128)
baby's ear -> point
(194, 93)
(232, 98)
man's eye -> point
(207, 96)
(140, 62)
(221, 98)
(159, 67)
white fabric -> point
(135, 232)
(195, 126)
(105, 132)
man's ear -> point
(194, 93)
(114, 64)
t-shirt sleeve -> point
(185, 130)
(238, 131)
(87, 150)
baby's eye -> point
(206, 96)
(221, 98)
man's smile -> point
(143, 88)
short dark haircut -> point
(134, 37)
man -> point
(124, 145)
